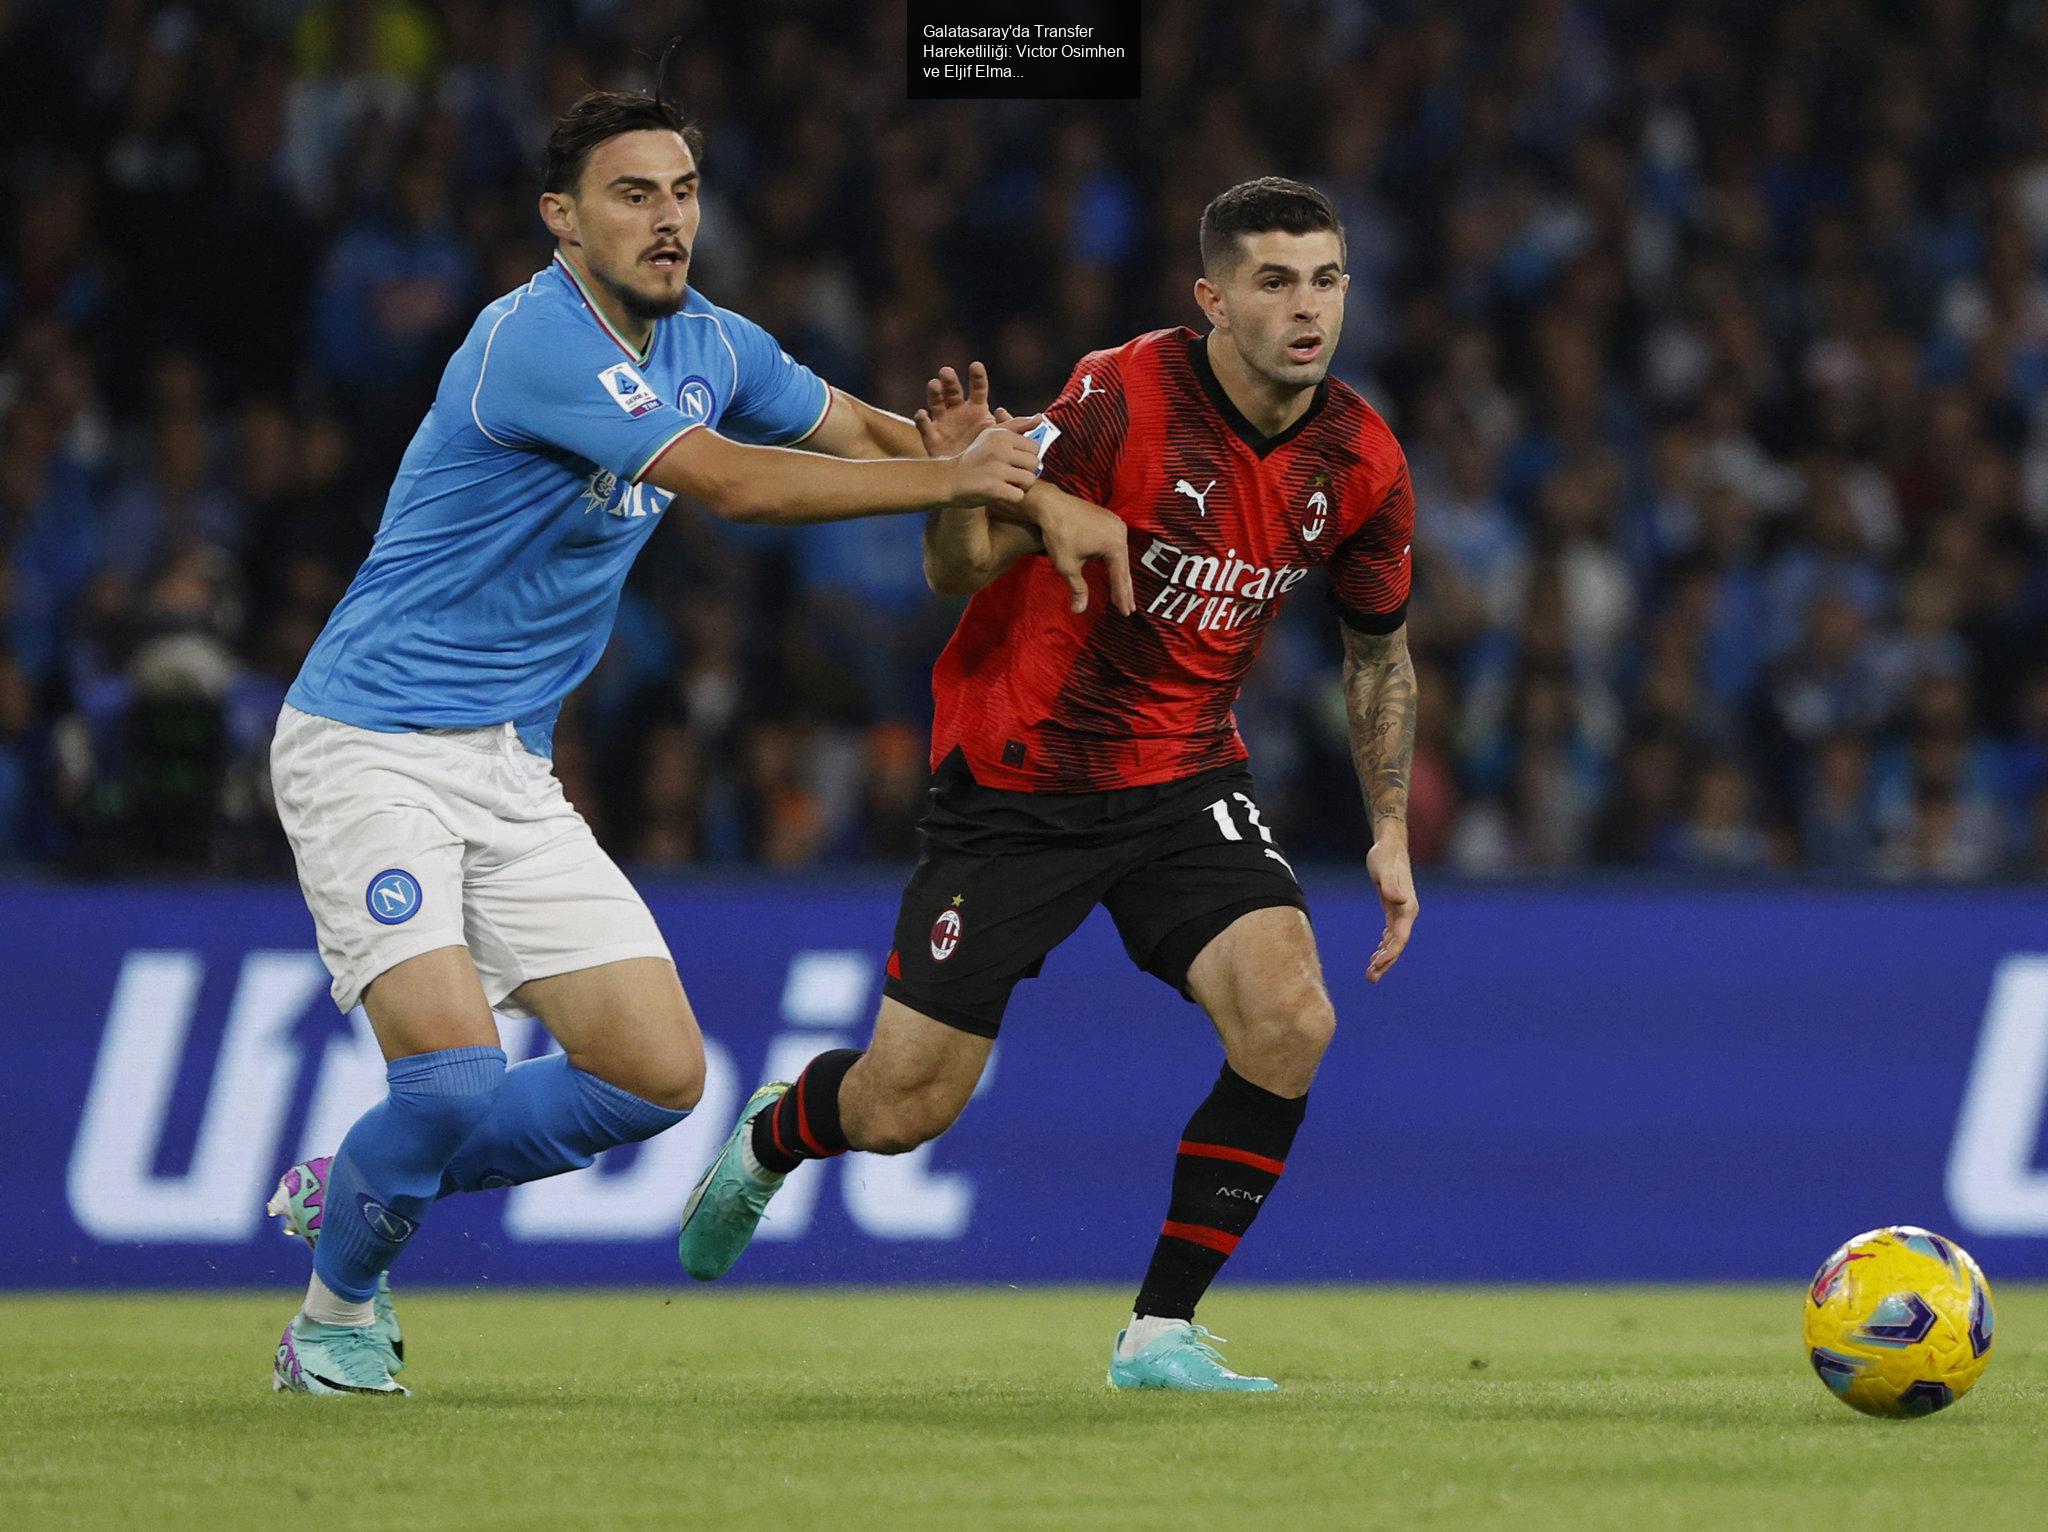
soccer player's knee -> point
(1313, 1023)
(1296, 1027)
(674, 1081)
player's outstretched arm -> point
(853, 428)
(781, 487)
(953, 415)
(1379, 701)
(966, 550)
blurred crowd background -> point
(1717, 334)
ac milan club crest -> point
(945, 935)
(1318, 517)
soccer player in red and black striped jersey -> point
(1085, 757)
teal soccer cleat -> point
(726, 1204)
(313, 1358)
(301, 1201)
(1184, 1359)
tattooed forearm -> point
(1379, 700)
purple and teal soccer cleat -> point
(1185, 1358)
(313, 1358)
(301, 1201)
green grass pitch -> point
(879, 1411)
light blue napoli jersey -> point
(518, 508)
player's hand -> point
(952, 415)
(997, 467)
(1076, 532)
(1387, 864)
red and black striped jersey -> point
(1224, 523)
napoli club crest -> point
(693, 399)
(393, 897)
(945, 935)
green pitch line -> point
(1456, 1408)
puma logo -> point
(1199, 496)
(1088, 387)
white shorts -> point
(447, 838)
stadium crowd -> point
(1716, 331)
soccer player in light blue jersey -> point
(445, 870)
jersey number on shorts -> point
(1221, 810)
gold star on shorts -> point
(958, 900)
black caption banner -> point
(1049, 50)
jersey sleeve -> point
(543, 386)
(1090, 419)
(1369, 572)
(776, 400)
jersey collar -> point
(1260, 443)
(639, 357)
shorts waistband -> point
(485, 739)
(490, 739)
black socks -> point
(804, 1123)
(1231, 1156)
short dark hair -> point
(1258, 207)
(602, 114)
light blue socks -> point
(550, 1117)
(388, 1169)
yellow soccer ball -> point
(1898, 1322)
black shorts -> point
(1003, 878)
